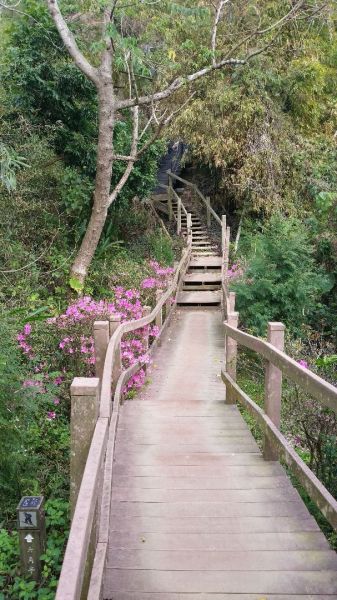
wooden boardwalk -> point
(196, 511)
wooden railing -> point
(278, 364)
(225, 231)
(94, 420)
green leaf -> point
(75, 284)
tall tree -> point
(118, 41)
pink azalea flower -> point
(51, 415)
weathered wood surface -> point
(196, 512)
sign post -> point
(32, 534)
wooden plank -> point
(214, 261)
(157, 457)
(203, 277)
(172, 596)
(201, 483)
(232, 561)
(149, 495)
(233, 542)
(199, 297)
(210, 525)
(264, 469)
(242, 582)
(207, 509)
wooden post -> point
(114, 323)
(32, 535)
(231, 353)
(223, 266)
(179, 217)
(208, 200)
(101, 339)
(84, 393)
(228, 241)
(232, 300)
(273, 387)
(169, 199)
(159, 317)
(146, 312)
(223, 233)
(189, 225)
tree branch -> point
(131, 159)
(215, 26)
(70, 43)
(179, 82)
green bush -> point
(281, 280)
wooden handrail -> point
(200, 194)
(309, 381)
(92, 496)
(105, 402)
(74, 562)
(316, 490)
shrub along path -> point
(196, 511)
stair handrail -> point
(225, 232)
(278, 363)
(77, 580)
(200, 194)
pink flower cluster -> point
(303, 364)
(161, 278)
(22, 340)
(235, 271)
(76, 341)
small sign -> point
(27, 519)
(32, 543)
(31, 502)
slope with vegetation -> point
(261, 129)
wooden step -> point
(200, 298)
(203, 277)
(201, 287)
(206, 261)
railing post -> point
(189, 225)
(101, 341)
(228, 241)
(231, 353)
(273, 387)
(223, 233)
(146, 312)
(232, 300)
(84, 393)
(169, 199)
(179, 217)
(159, 317)
(114, 323)
(208, 211)
(223, 266)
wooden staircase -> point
(202, 282)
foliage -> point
(15, 587)
(281, 281)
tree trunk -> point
(80, 267)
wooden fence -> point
(94, 419)
(278, 364)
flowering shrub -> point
(74, 351)
(235, 272)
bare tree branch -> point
(131, 159)
(215, 26)
(70, 43)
